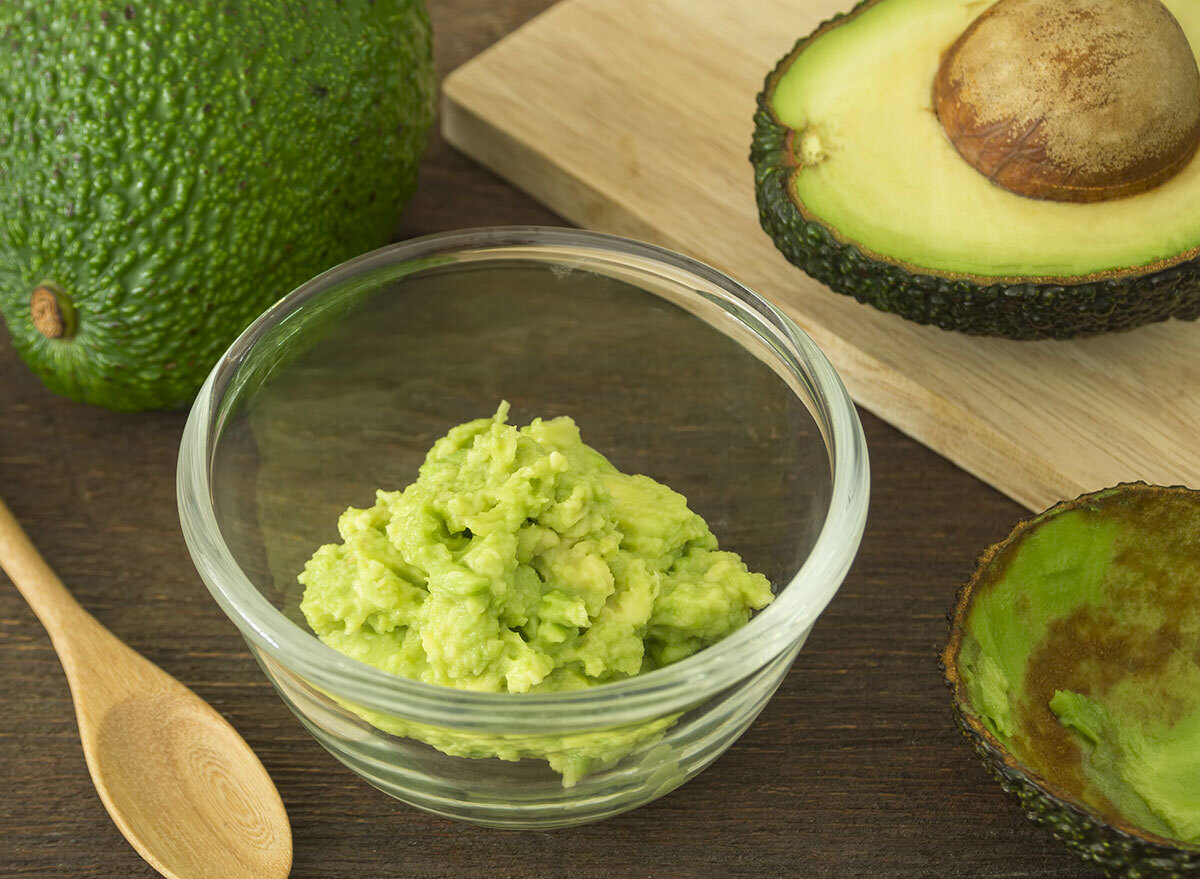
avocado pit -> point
(1072, 100)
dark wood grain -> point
(854, 769)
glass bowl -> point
(670, 369)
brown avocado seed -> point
(1072, 100)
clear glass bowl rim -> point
(674, 687)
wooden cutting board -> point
(634, 117)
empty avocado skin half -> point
(1073, 661)
(906, 269)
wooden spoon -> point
(182, 786)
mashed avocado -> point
(522, 561)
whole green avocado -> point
(168, 169)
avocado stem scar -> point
(51, 311)
(806, 147)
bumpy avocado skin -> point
(1121, 854)
(174, 168)
(1028, 311)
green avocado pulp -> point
(1082, 656)
(876, 167)
(519, 561)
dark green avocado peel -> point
(1074, 661)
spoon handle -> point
(34, 579)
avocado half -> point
(859, 185)
(1074, 664)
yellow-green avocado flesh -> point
(1080, 655)
(858, 185)
(521, 560)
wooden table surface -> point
(854, 769)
